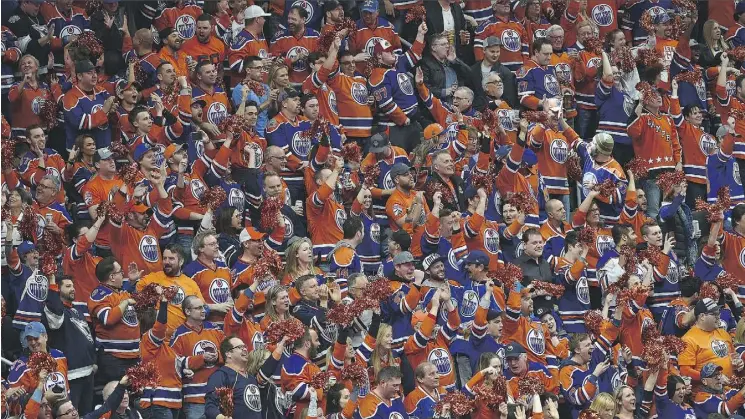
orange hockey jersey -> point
(290, 46)
(696, 145)
(552, 148)
(214, 284)
(351, 96)
(117, 331)
(188, 342)
(186, 287)
(325, 220)
(655, 139)
(96, 191)
(213, 50)
(183, 19)
(514, 50)
(421, 347)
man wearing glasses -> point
(261, 93)
(490, 64)
(443, 70)
(212, 276)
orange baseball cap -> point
(171, 150)
(432, 131)
(250, 233)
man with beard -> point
(384, 401)
(69, 331)
(197, 339)
(312, 309)
(486, 67)
(397, 310)
(171, 275)
(295, 43)
(171, 52)
(298, 370)
(405, 207)
(211, 274)
(217, 105)
(86, 107)
(385, 156)
(610, 266)
(205, 46)
(443, 177)
(248, 42)
(434, 269)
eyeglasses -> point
(241, 347)
(278, 158)
(43, 186)
(119, 272)
(67, 412)
(214, 244)
(442, 44)
(497, 82)
(459, 98)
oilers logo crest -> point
(736, 174)
(340, 216)
(370, 45)
(708, 144)
(511, 40)
(539, 33)
(205, 346)
(439, 357)
(68, 31)
(604, 243)
(299, 65)
(602, 15)
(519, 249)
(616, 380)
(551, 84)
(300, 145)
(41, 223)
(289, 227)
(673, 272)
(219, 290)
(594, 62)
(469, 304)
(395, 415)
(359, 93)
(149, 248)
(375, 232)
(98, 107)
(36, 104)
(251, 397)
(37, 287)
(237, 199)
(332, 102)
(179, 297)
(505, 119)
(720, 348)
(55, 379)
(88, 198)
(452, 260)
(262, 53)
(387, 181)
(536, 342)
(307, 7)
(186, 26)
(282, 400)
(559, 151)
(197, 188)
(129, 316)
(730, 85)
(257, 341)
(491, 240)
(628, 105)
(588, 182)
(583, 291)
(216, 112)
(444, 313)
(265, 285)
(700, 90)
(405, 83)
(563, 72)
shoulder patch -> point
(521, 72)
(272, 124)
(14, 19)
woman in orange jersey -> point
(27, 96)
(277, 306)
(343, 356)
(299, 263)
(490, 367)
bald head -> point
(555, 211)
(143, 38)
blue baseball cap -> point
(661, 18)
(477, 257)
(25, 247)
(140, 151)
(369, 6)
(529, 158)
(710, 370)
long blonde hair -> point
(273, 74)
(256, 359)
(719, 45)
(617, 396)
(271, 297)
(378, 353)
(292, 265)
(603, 401)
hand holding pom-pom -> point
(378, 290)
(269, 210)
(668, 180)
(673, 344)
(529, 385)
(458, 403)
(322, 380)
(654, 355)
(128, 173)
(341, 314)
(482, 181)
(213, 197)
(594, 45)
(319, 128)
(605, 188)
(48, 264)
(709, 290)
(652, 255)
(508, 275)
(257, 88)
(48, 112)
(88, 40)
(356, 373)
(574, 169)
(523, 201)
(555, 290)
(351, 152)
(142, 375)
(225, 400)
(624, 59)
(292, 328)
(38, 361)
(416, 14)
(371, 174)
(148, 297)
(639, 167)
(269, 265)
(593, 321)
(537, 117)
(692, 77)
(431, 188)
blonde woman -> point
(713, 44)
(266, 367)
(299, 256)
(277, 306)
(279, 78)
(490, 367)
(625, 402)
(604, 405)
(377, 349)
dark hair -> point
(204, 17)
(57, 404)
(571, 239)
(33, 127)
(132, 117)
(689, 285)
(389, 373)
(402, 239)
(609, 39)
(24, 194)
(201, 64)
(737, 214)
(333, 399)
(302, 340)
(302, 280)
(105, 268)
(485, 359)
(161, 65)
(252, 103)
(672, 383)
(73, 230)
(177, 249)
(618, 231)
(344, 54)
(224, 221)
(351, 226)
(302, 12)
(307, 98)
(225, 346)
(539, 42)
(113, 62)
(688, 109)
(530, 232)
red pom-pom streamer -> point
(574, 168)
(653, 255)
(555, 290)
(225, 400)
(673, 344)
(108, 209)
(148, 296)
(460, 404)
(2, 306)
(667, 180)
(322, 380)
(448, 198)
(646, 22)
(343, 314)
(559, 7)
(269, 210)
(508, 275)
(140, 75)
(48, 112)
(482, 181)
(378, 290)
(327, 38)
(522, 201)
(594, 45)
(624, 59)
(144, 374)
(92, 6)
(723, 198)
(292, 328)
(709, 290)
(128, 173)
(491, 395)
(351, 152)
(38, 361)
(88, 41)
(213, 197)
(529, 385)
(268, 266)
(587, 236)
(593, 321)
(537, 117)
(692, 77)
(416, 14)
(48, 264)
(727, 280)
(737, 54)
(589, 414)
(371, 174)
(119, 149)
(256, 87)
(654, 355)
(234, 124)
(319, 128)
(639, 167)
(356, 373)
(606, 188)
(8, 151)
(648, 58)
(27, 225)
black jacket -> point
(508, 78)
(29, 30)
(459, 186)
(110, 37)
(70, 333)
(434, 75)
(435, 24)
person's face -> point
(317, 64)
(344, 396)
(347, 65)
(236, 220)
(462, 101)
(405, 270)
(282, 302)
(716, 32)
(557, 40)
(444, 165)
(174, 41)
(495, 329)
(526, 305)
(14, 200)
(584, 33)
(543, 56)
(336, 15)
(254, 247)
(167, 74)
(144, 122)
(197, 311)
(473, 144)
(593, 215)
(388, 57)
(359, 286)
(387, 340)
(311, 109)
(710, 320)
(431, 379)
(125, 401)
(67, 290)
(446, 225)
(501, 7)
(405, 181)
(38, 137)
(88, 79)
(550, 322)
(585, 350)
(273, 184)
(310, 290)
(208, 74)
(534, 246)
(558, 212)
(237, 5)
(295, 22)
(292, 105)
(31, 8)
(148, 159)
(619, 40)
(37, 344)
(437, 271)
(696, 117)
(440, 48)
(641, 200)
(628, 400)
(474, 269)
(494, 87)
(116, 278)
(315, 343)
(203, 31)
(89, 146)
(171, 263)
(254, 71)
(390, 388)
(32, 258)
(369, 18)
(491, 54)
(239, 351)
(28, 66)
(111, 7)
(67, 411)
(509, 213)
(45, 191)
(209, 247)
(606, 413)
(366, 198)
(681, 392)
(533, 9)
(653, 236)
(517, 364)
(664, 29)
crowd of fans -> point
(373, 209)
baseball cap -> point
(250, 233)
(432, 131)
(25, 247)
(403, 257)
(492, 41)
(84, 66)
(477, 257)
(34, 329)
(399, 169)
(171, 150)
(288, 93)
(200, 102)
(710, 370)
(102, 154)
(529, 158)
(660, 18)
(513, 350)
(369, 6)
(470, 192)
(431, 260)
(379, 142)
(123, 85)
(252, 12)
(541, 307)
(603, 143)
(706, 306)
(140, 151)
(383, 45)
